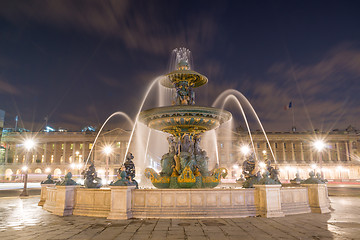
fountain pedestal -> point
(318, 198)
(268, 200)
(120, 202)
(43, 193)
(60, 200)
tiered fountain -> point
(185, 184)
(186, 164)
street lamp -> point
(245, 149)
(29, 144)
(319, 146)
(107, 150)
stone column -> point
(83, 152)
(350, 150)
(302, 152)
(55, 152)
(7, 154)
(347, 151)
(337, 151)
(274, 151)
(293, 152)
(284, 154)
(74, 152)
(268, 200)
(45, 154)
(120, 202)
(329, 154)
(64, 153)
(15, 159)
(318, 198)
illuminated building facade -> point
(60, 152)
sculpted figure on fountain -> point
(91, 178)
(250, 172)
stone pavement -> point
(23, 219)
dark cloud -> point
(8, 88)
(142, 29)
(322, 93)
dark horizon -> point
(78, 62)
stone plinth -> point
(193, 203)
(43, 193)
(120, 202)
(294, 200)
(60, 200)
(318, 198)
(268, 200)
(92, 202)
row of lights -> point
(319, 145)
(29, 144)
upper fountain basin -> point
(184, 119)
(195, 79)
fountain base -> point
(127, 202)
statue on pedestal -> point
(67, 181)
(249, 172)
(49, 180)
(91, 178)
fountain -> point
(185, 188)
(186, 164)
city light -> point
(107, 149)
(245, 149)
(264, 152)
(47, 170)
(262, 165)
(313, 166)
(319, 145)
(73, 166)
(24, 168)
(235, 166)
(29, 144)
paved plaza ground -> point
(23, 219)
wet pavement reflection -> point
(21, 218)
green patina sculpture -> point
(297, 179)
(314, 180)
(253, 175)
(91, 178)
(185, 165)
(49, 180)
(123, 179)
(67, 181)
(267, 180)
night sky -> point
(77, 62)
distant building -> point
(60, 152)
(2, 119)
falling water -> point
(137, 115)
(98, 134)
(231, 96)
(240, 95)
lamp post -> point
(319, 146)
(107, 150)
(29, 145)
(77, 160)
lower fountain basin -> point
(184, 119)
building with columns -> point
(60, 152)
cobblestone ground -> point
(23, 219)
